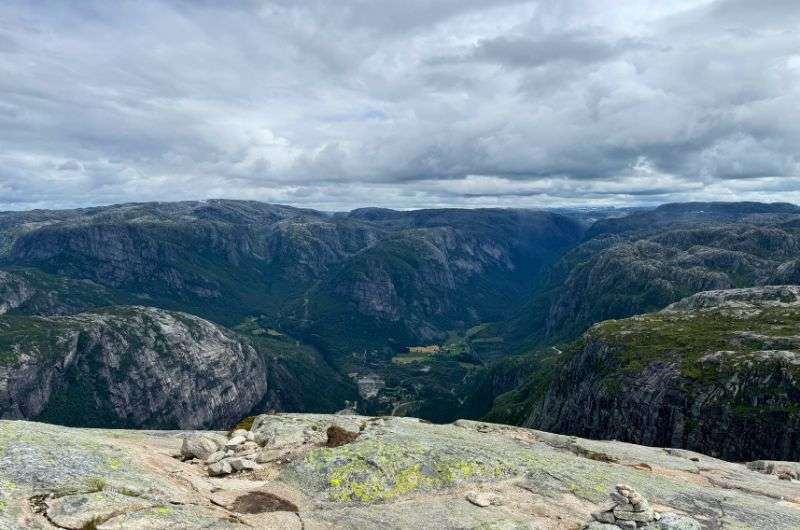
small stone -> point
(483, 499)
(220, 468)
(250, 436)
(479, 499)
(249, 446)
(241, 464)
(623, 488)
(626, 515)
(215, 457)
(617, 498)
(239, 432)
(635, 498)
(626, 525)
(236, 440)
(604, 517)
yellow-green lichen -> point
(373, 471)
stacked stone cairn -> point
(223, 456)
(630, 511)
(270, 439)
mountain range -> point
(195, 314)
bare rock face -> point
(14, 291)
(718, 372)
(128, 366)
(753, 298)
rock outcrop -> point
(718, 372)
(127, 367)
(398, 473)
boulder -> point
(198, 446)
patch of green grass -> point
(688, 337)
(96, 484)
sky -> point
(402, 104)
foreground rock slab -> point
(397, 473)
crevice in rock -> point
(40, 508)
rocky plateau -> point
(297, 471)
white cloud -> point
(411, 104)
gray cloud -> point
(401, 104)
(524, 51)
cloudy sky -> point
(403, 104)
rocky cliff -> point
(127, 366)
(315, 472)
(718, 372)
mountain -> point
(649, 259)
(436, 271)
(417, 273)
(440, 314)
(338, 295)
(683, 214)
(718, 372)
(366, 472)
(129, 366)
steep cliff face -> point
(717, 372)
(127, 366)
(14, 291)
